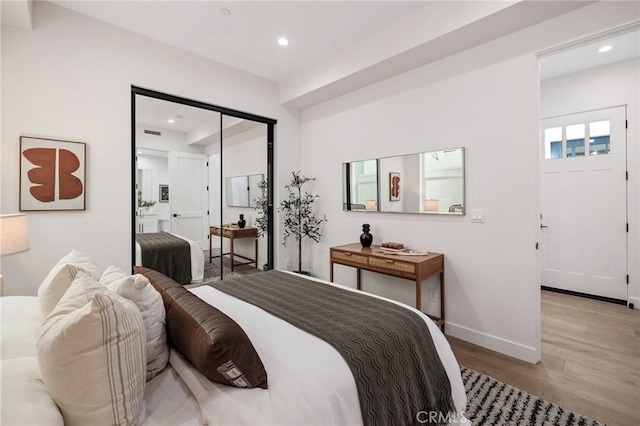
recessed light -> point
(171, 120)
(282, 41)
(605, 48)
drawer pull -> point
(389, 260)
(347, 254)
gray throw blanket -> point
(388, 348)
(167, 254)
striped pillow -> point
(92, 355)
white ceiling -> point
(335, 46)
(154, 114)
(247, 38)
(623, 46)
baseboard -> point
(635, 301)
(498, 344)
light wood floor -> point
(590, 359)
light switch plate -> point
(477, 215)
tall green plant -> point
(300, 221)
(262, 207)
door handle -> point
(543, 226)
(176, 215)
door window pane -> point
(575, 140)
(553, 143)
(599, 133)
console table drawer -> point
(394, 265)
(349, 257)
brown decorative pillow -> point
(214, 343)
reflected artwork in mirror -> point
(428, 182)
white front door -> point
(189, 200)
(584, 203)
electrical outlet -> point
(287, 264)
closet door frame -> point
(270, 122)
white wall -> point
(602, 87)
(486, 100)
(159, 167)
(489, 268)
(70, 78)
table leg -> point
(231, 250)
(331, 272)
(359, 283)
(210, 247)
(256, 253)
(418, 294)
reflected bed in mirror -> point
(427, 182)
(242, 191)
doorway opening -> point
(584, 161)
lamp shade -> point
(14, 237)
(431, 205)
(371, 205)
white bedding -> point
(25, 400)
(197, 259)
(309, 382)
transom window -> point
(570, 141)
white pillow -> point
(92, 356)
(139, 290)
(60, 278)
(112, 274)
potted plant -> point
(143, 205)
(300, 221)
(262, 207)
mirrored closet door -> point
(201, 178)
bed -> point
(309, 382)
(168, 259)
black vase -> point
(366, 238)
(241, 222)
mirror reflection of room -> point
(243, 191)
(244, 162)
(428, 182)
(186, 153)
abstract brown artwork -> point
(394, 186)
(52, 174)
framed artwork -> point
(394, 186)
(164, 193)
(52, 174)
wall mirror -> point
(427, 182)
(242, 191)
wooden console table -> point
(416, 268)
(233, 232)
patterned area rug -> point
(212, 273)
(490, 402)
